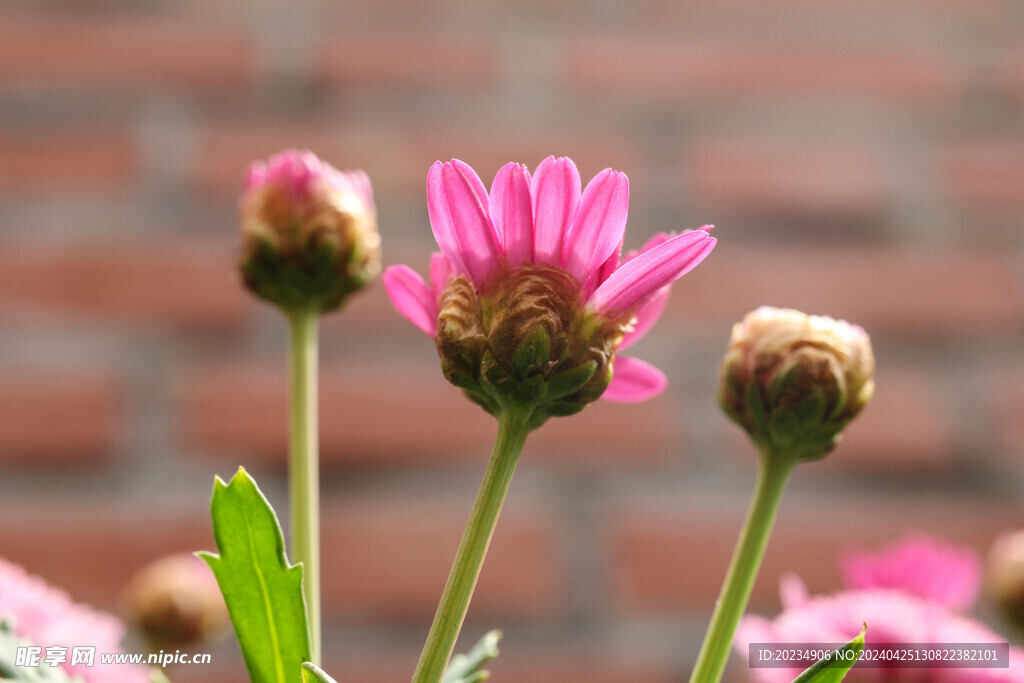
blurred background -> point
(861, 160)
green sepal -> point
(496, 376)
(530, 390)
(834, 668)
(317, 275)
(311, 673)
(262, 590)
(533, 352)
(467, 668)
(562, 384)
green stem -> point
(303, 465)
(512, 431)
(746, 561)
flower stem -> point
(512, 431)
(303, 465)
(746, 561)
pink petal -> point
(606, 269)
(645, 317)
(556, 194)
(660, 238)
(598, 226)
(639, 278)
(792, 591)
(441, 271)
(361, 183)
(633, 381)
(467, 202)
(411, 297)
(457, 205)
(512, 212)
(255, 175)
(441, 218)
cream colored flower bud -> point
(1004, 576)
(175, 601)
(793, 381)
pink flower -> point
(47, 617)
(309, 231)
(920, 565)
(543, 226)
(303, 174)
(892, 616)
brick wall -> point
(862, 160)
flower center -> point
(529, 340)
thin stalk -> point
(512, 431)
(303, 464)
(746, 561)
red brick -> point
(51, 419)
(127, 52)
(166, 284)
(413, 59)
(672, 557)
(91, 550)
(986, 176)
(84, 161)
(397, 159)
(967, 293)
(1016, 75)
(798, 179)
(393, 418)
(391, 560)
(671, 69)
(1005, 403)
(907, 427)
(382, 559)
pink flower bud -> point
(309, 232)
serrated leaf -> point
(263, 591)
(311, 673)
(466, 668)
(834, 668)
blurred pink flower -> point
(47, 617)
(309, 232)
(300, 172)
(920, 565)
(892, 616)
(544, 218)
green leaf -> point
(311, 673)
(262, 590)
(834, 668)
(466, 668)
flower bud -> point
(1005, 576)
(309, 232)
(175, 601)
(794, 381)
(530, 342)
